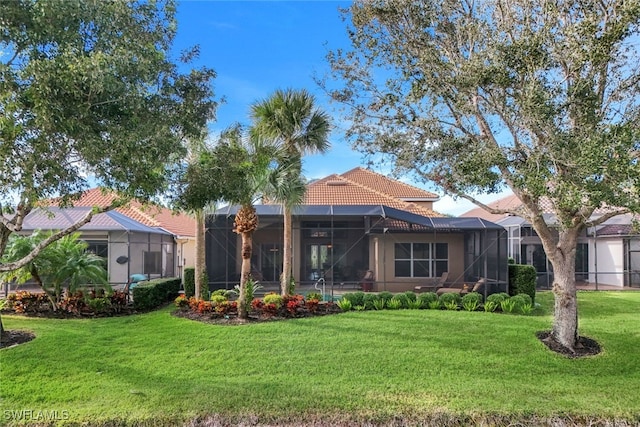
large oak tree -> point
(89, 93)
(537, 96)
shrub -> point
(449, 299)
(226, 307)
(293, 303)
(404, 300)
(369, 300)
(250, 288)
(427, 298)
(521, 300)
(359, 308)
(344, 304)
(152, 294)
(74, 303)
(508, 305)
(189, 282)
(411, 296)
(394, 303)
(273, 298)
(257, 304)
(522, 280)
(314, 296)
(181, 301)
(497, 298)
(471, 301)
(415, 305)
(435, 305)
(490, 306)
(356, 298)
(218, 299)
(99, 305)
(386, 296)
(27, 302)
(379, 304)
(118, 300)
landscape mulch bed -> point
(232, 319)
(585, 347)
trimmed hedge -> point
(189, 282)
(522, 280)
(154, 293)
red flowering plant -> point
(226, 308)
(257, 304)
(27, 302)
(204, 307)
(193, 303)
(312, 305)
(270, 309)
(74, 303)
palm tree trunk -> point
(200, 265)
(287, 251)
(245, 273)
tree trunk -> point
(287, 251)
(563, 259)
(2, 332)
(200, 264)
(245, 275)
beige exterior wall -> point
(185, 254)
(382, 256)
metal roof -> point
(54, 218)
(435, 223)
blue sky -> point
(257, 47)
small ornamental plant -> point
(181, 301)
(273, 298)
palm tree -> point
(290, 118)
(65, 262)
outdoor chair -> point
(461, 288)
(436, 284)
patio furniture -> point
(437, 283)
(461, 288)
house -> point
(608, 254)
(358, 221)
(134, 239)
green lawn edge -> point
(376, 367)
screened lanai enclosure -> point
(335, 247)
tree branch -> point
(56, 236)
(607, 216)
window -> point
(421, 259)
(98, 247)
(152, 262)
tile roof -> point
(386, 185)
(339, 190)
(509, 202)
(179, 224)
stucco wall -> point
(606, 256)
(382, 256)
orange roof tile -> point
(387, 185)
(338, 190)
(151, 215)
(509, 202)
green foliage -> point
(273, 298)
(98, 79)
(394, 303)
(415, 305)
(497, 298)
(526, 309)
(508, 305)
(549, 111)
(314, 296)
(471, 301)
(385, 295)
(522, 299)
(435, 304)
(411, 296)
(379, 304)
(450, 298)
(522, 280)
(472, 296)
(426, 298)
(250, 289)
(218, 299)
(63, 263)
(451, 305)
(491, 306)
(403, 299)
(370, 299)
(359, 308)
(189, 282)
(356, 298)
(344, 304)
(153, 293)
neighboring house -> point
(608, 254)
(134, 239)
(359, 221)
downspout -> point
(595, 255)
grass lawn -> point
(157, 369)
